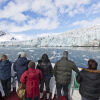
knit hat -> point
(23, 54)
(65, 54)
(31, 64)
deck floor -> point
(13, 96)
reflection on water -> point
(79, 55)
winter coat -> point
(31, 79)
(63, 70)
(89, 83)
(20, 66)
(46, 69)
(5, 69)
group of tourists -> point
(35, 76)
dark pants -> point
(65, 90)
(46, 81)
(19, 76)
(36, 98)
(6, 84)
(83, 98)
(0, 95)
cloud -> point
(95, 8)
(32, 24)
(44, 7)
(2, 1)
(23, 15)
(71, 7)
(86, 23)
(15, 12)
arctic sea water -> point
(79, 55)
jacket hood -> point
(21, 61)
(64, 58)
(31, 73)
(93, 71)
(7, 62)
(92, 75)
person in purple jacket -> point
(21, 65)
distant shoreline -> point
(43, 46)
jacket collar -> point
(64, 58)
(31, 70)
(94, 71)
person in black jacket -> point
(62, 72)
(21, 65)
(89, 80)
(45, 66)
(5, 74)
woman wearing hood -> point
(89, 80)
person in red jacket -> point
(31, 79)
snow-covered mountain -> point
(2, 33)
(79, 37)
(8, 37)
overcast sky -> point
(47, 16)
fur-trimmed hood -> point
(93, 71)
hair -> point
(23, 54)
(92, 64)
(19, 55)
(4, 57)
(39, 61)
(65, 54)
(31, 65)
(45, 58)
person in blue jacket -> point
(21, 65)
(5, 74)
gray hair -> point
(23, 54)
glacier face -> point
(79, 37)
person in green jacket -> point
(62, 72)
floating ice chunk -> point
(31, 50)
(84, 55)
(86, 59)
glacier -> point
(77, 37)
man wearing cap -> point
(62, 72)
(21, 65)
